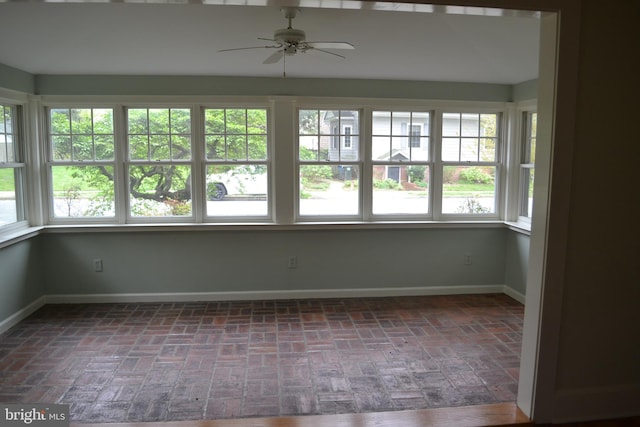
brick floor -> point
(210, 360)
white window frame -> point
(128, 163)
(526, 165)
(500, 147)
(18, 164)
(50, 162)
(429, 163)
(267, 162)
(359, 163)
(284, 191)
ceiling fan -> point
(290, 41)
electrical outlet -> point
(292, 262)
(467, 259)
(97, 265)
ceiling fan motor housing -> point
(289, 35)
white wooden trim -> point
(516, 295)
(271, 295)
(21, 314)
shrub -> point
(386, 184)
(475, 175)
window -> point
(527, 165)
(401, 166)
(347, 137)
(329, 176)
(159, 162)
(237, 168)
(81, 162)
(12, 166)
(469, 163)
(212, 162)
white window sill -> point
(26, 233)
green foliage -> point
(416, 173)
(386, 184)
(315, 173)
(475, 175)
(7, 179)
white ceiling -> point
(183, 39)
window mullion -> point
(437, 173)
(198, 172)
(121, 167)
(366, 172)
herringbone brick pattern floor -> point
(210, 360)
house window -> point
(12, 167)
(347, 137)
(236, 158)
(527, 165)
(414, 135)
(159, 162)
(401, 166)
(469, 163)
(329, 178)
(81, 162)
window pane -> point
(451, 149)
(214, 121)
(81, 134)
(82, 191)
(329, 189)
(236, 147)
(468, 189)
(215, 147)
(236, 134)
(526, 202)
(159, 134)
(487, 150)
(236, 122)
(7, 148)
(308, 122)
(381, 148)
(257, 147)
(237, 190)
(400, 136)
(8, 206)
(470, 124)
(400, 189)
(81, 121)
(160, 190)
(488, 125)
(82, 147)
(469, 150)
(331, 135)
(450, 124)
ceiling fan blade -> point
(330, 45)
(251, 47)
(274, 57)
(311, 48)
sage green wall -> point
(22, 279)
(239, 261)
(18, 80)
(525, 91)
(261, 86)
(517, 261)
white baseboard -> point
(21, 314)
(518, 296)
(597, 403)
(270, 295)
